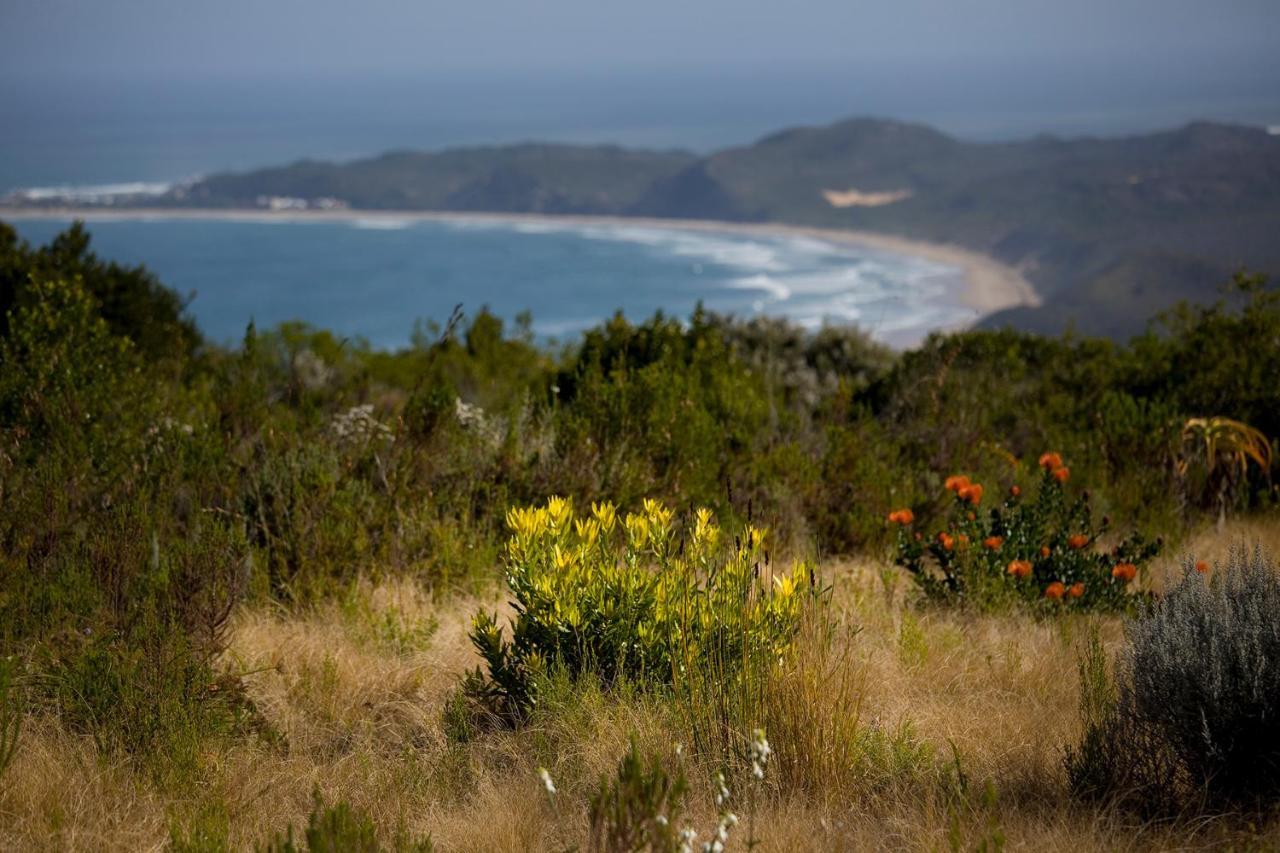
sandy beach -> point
(990, 285)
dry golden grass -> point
(356, 694)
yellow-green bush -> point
(634, 597)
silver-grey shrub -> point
(1193, 718)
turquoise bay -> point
(372, 277)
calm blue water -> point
(373, 278)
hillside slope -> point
(538, 178)
(1109, 231)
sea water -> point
(372, 277)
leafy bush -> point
(124, 625)
(342, 829)
(640, 808)
(65, 376)
(113, 590)
(627, 597)
(1193, 713)
(1038, 548)
(134, 304)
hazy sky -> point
(414, 36)
(107, 90)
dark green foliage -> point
(342, 829)
(64, 374)
(123, 625)
(658, 410)
(1193, 714)
(134, 304)
(1220, 357)
(112, 589)
(640, 808)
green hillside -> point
(530, 178)
(1108, 231)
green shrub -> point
(342, 829)
(123, 627)
(1192, 716)
(629, 598)
(640, 808)
(134, 304)
(1038, 549)
(65, 379)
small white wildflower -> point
(760, 749)
(679, 750)
(722, 790)
(160, 430)
(478, 422)
(687, 835)
(546, 780)
(358, 424)
(731, 819)
(760, 752)
(312, 371)
(661, 820)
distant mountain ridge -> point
(529, 178)
(1109, 231)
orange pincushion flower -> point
(956, 482)
(902, 516)
(1050, 461)
(1044, 550)
(1062, 474)
(1124, 572)
(1078, 541)
(1076, 590)
(962, 539)
(993, 542)
(971, 493)
(1020, 569)
(1054, 590)
(947, 541)
(1015, 490)
(1202, 566)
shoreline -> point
(989, 285)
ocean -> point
(374, 277)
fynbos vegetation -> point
(1192, 718)
(239, 584)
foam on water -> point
(380, 224)
(91, 193)
(810, 280)
(776, 289)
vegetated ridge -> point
(1108, 231)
